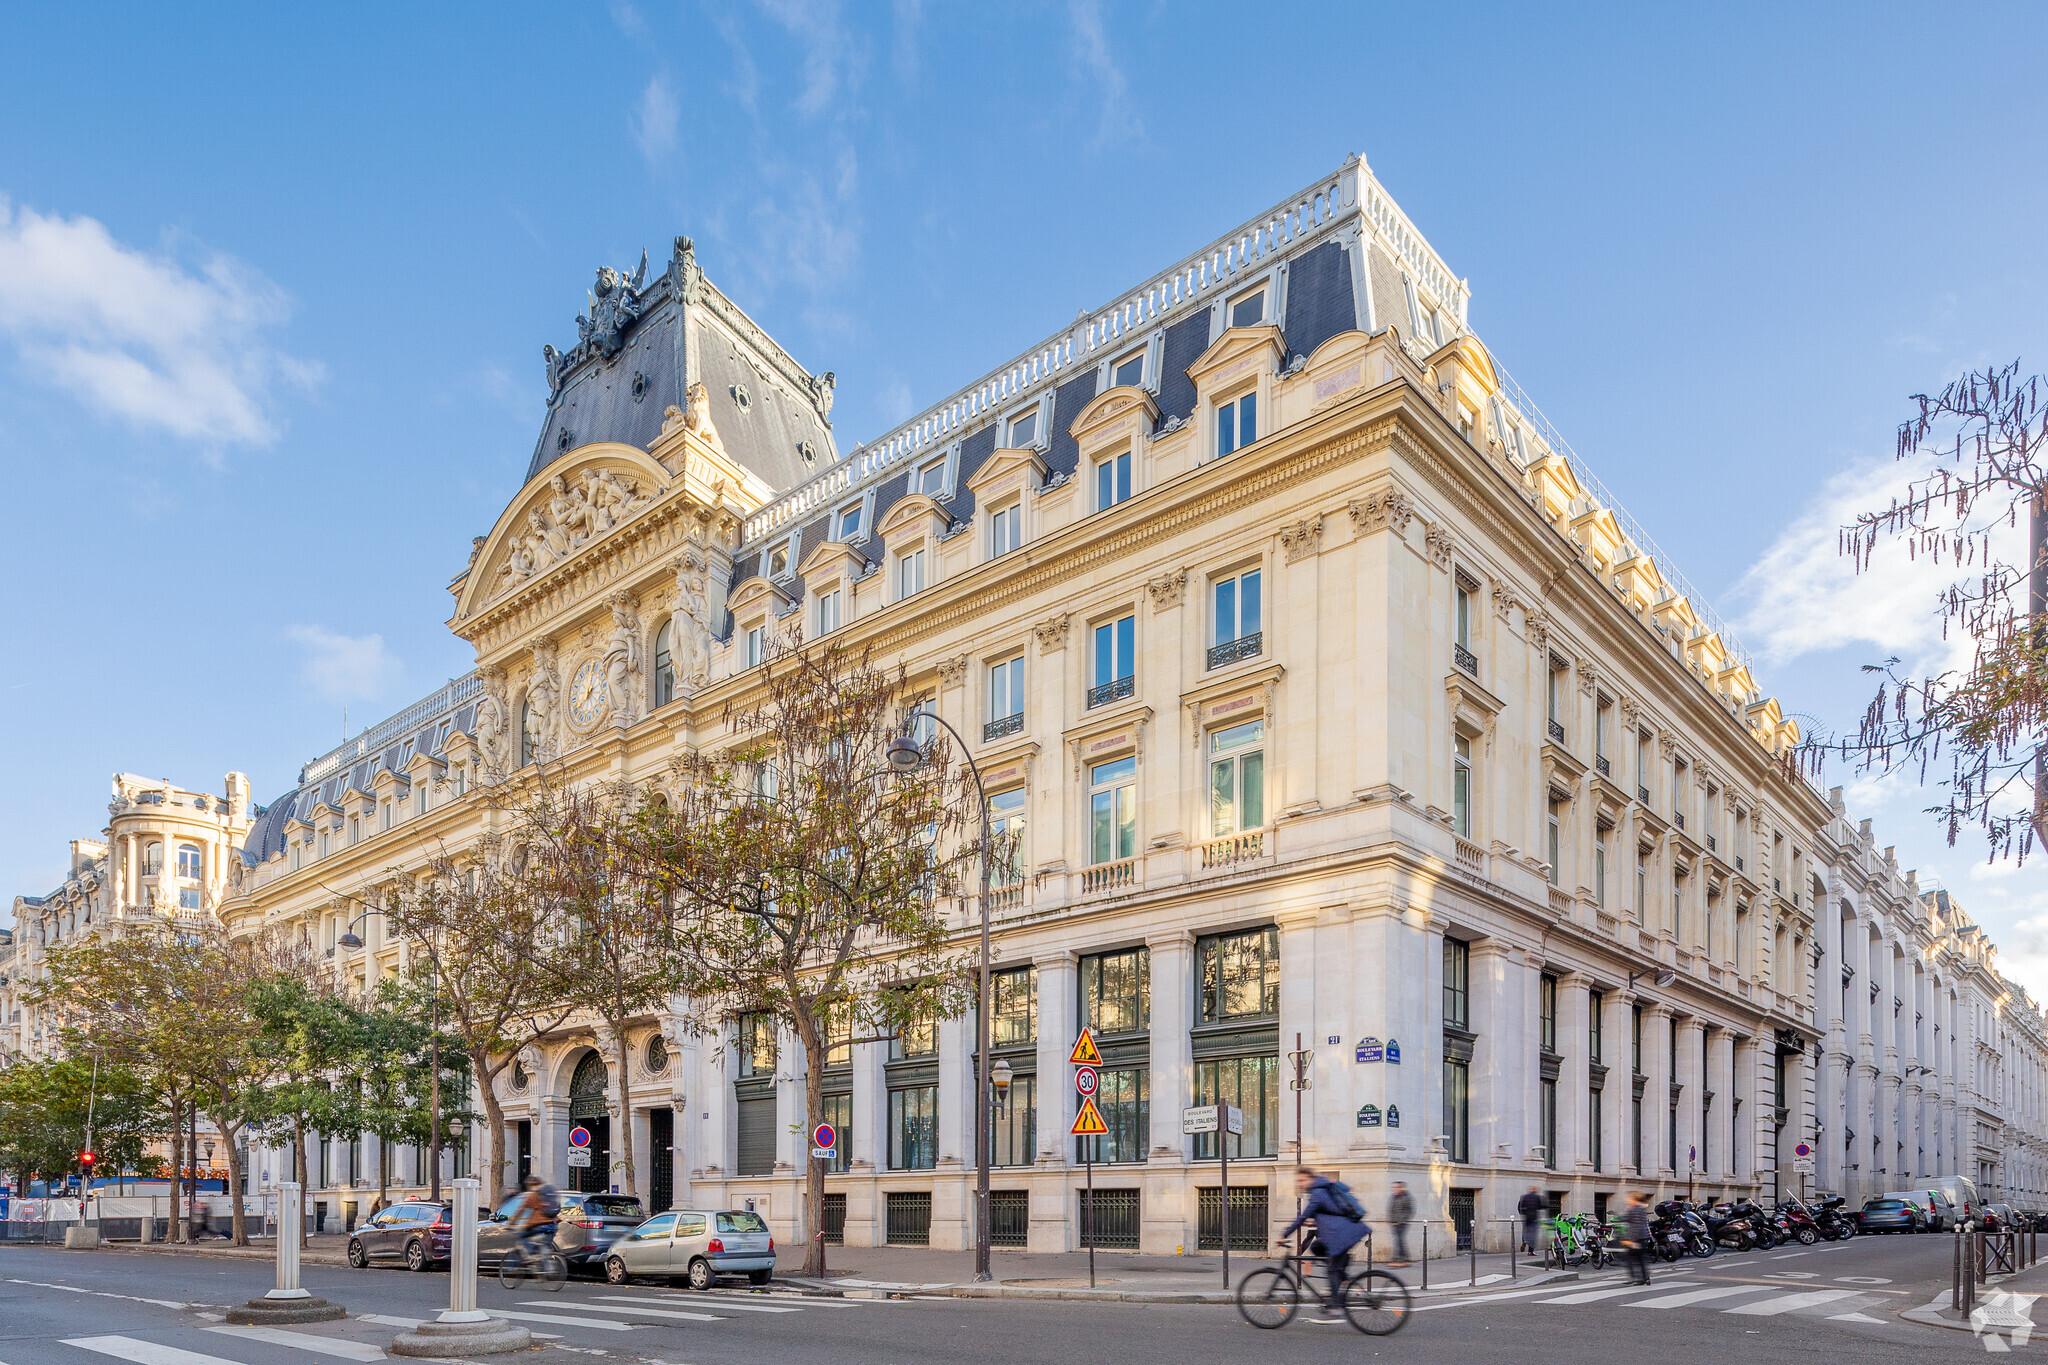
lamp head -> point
(904, 755)
(351, 940)
(1001, 1074)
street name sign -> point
(1205, 1118)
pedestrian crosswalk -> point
(363, 1337)
(1760, 1299)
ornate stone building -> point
(1346, 721)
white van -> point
(1963, 1199)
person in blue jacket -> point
(1340, 1225)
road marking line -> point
(1593, 1295)
(1786, 1303)
(102, 1294)
(144, 1352)
(386, 1320)
(1790, 1254)
(734, 1304)
(1696, 1296)
(1854, 1317)
(600, 1308)
(600, 1324)
(305, 1341)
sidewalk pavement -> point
(2004, 1309)
(884, 1272)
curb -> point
(249, 1253)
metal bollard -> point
(1475, 1256)
(1425, 1255)
(462, 1257)
(291, 1200)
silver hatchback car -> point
(699, 1244)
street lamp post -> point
(905, 756)
(350, 939)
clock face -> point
(587, 699)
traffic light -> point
(85, 1160)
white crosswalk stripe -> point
(1699, 1296)
(561, 1319)
(735, 1305)
(1788, 1303)
(305, 1341)
(647, 1309)
(1594, 1295)
(144, 1352)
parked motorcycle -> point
(1796, 1222)
(1832, 1222)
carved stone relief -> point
(1302, 539)
(1167, 591)
(690, 638)
(622, 670)
(1439, 544)
(1052, 635)
(493, 723)
(1386, 510)
(953, 671)
(543, 690)
(572, 516)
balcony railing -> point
(1600, 762)
(1560, 900)
(1230, 651)
(1008, 725)
(1465, 659)
(1712, 847)
(1679, 816)
(1234, 848)
(1557, 731)
(1004, 899)
(1117, 876)
(1114, 690)
(1470, 855)
(1642, 794)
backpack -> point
(550, 1202)
(1344, 1201)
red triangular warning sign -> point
(1084, 1050)
(1088, 1123)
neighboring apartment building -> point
(1341, 710)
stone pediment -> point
(920, 511)
(1116, 415)
(1238, 351)
(757, 591)
(828, 556)
(574, 503)
(1005, 470)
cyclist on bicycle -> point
(535, 1217)
(1340, 1226)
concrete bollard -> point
(289, 1302)
(463, 1329)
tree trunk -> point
(494, 1116)
(383, 1171)
(624, 1138)
(240, 1214)
(176, 1231)
(814, 1169)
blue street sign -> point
(579, 1136)
(1393, 1116)
(1368, 1116)
(1369, 1049)
(1393, 1052)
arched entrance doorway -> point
(587, 1109)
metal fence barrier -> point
(1979, 1254)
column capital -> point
(1048, 958)
(1576, 980)
(1173, 938)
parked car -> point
(1961, 1193)
(415, 1233)
(1889, 1214)
(585, 1229)
(699, 1244)
(1936, 1214)
(1998, 1218)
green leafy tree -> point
(309, 1037)
(802, 879)
(50, 1108)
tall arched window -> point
(188, 861)
(152, 858)
(526, 745)
(664, 668)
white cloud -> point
(826, 47)
(1804, 596)
(654, 119)
(1098, 67)
(344, 668)
(144, 336)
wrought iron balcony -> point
(1600, 762)
(1642, 794)
(1679, 816)
(1465, 659)
(1557, 731)
(1114, 690)
(1008, 725)
(1243, 647)
(1712, 847)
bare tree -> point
(1985, 435)
(803, 879)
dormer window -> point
(1249, 310)
(851, 520)
(828, 611)
(778, 561)
(756, 645)
(1129, 372)
(931, 479)
(1237, 423)
(1024, 430)
(909, 573)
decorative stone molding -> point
(1052, 635)
(1631, 712)
(1539, 630)
(1302, 539)
(953, 671)
(623, 677)
(543, 691)
(1437, 540)
(1505, 600)
(1589, 677)
(1168, 590)
(1388, 509)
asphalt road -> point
(86, 1308)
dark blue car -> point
(1889, 1215)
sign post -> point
(1226, 1121)
(1085, 1059)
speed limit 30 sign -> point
(1086, 1078)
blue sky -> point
(274, 283)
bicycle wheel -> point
(1269, 1297)
(551, 1271)
(1376, 1302)
(511, 1269)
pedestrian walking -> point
(1531, 1207)
(1636, 1220)
(1401, 1212)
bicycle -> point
(548, 1267)
(1374, 1301)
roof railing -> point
(455, 693)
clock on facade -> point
(588, 700)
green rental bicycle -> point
(1374, 1301)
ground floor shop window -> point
(914, 1129)
(1458, 1109)
(1548, 1101)
(1251, 1084)
(1599, 1151)
(1125, 1099)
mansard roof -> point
(642, 345)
